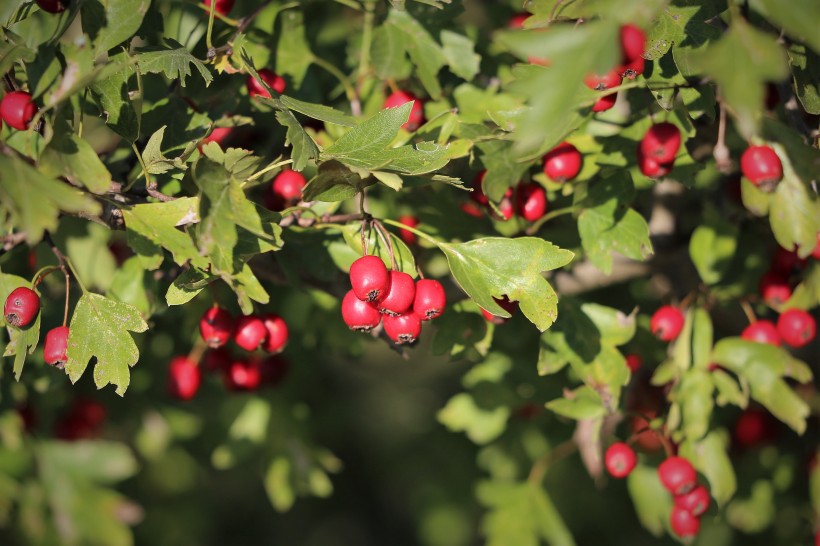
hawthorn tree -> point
(252, 253)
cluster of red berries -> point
(633, 46)
(775, 285)
(795, 327)
(20, 310)
(17, 109)
(392, 298)
(658, 148)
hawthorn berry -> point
(218, 135)
(400, 295)
(471, 209)
(184, 377)
(774, 288)
(359, 315)
(517, 21)
(796, 327)
(786, 261)
(369, 278)
(651, 168)
(504, 303)
(683, 523)
(605, 103)
(216, 326)
(620, 460)
(416, 117)
(53, 6)
(287, 188)
(531, 201)
(243, 375)
(477, 194)
(505, 206)
(274, 81)
(696, 501)
(407, 236)
(667, 323)
(599, 83)
(677, 475)
(222, 7)
(250, 332)
(762, 331)
(633, 46)
(761, 166)
(17, 109)
(21, 306)
(430, 299)
(661, 142)
(277, 337)
(753, 428)
(54, 349)
(402, 328)
(563, 162)
(634, 362)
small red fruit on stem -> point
(683, 523)
(430, 299)
(402, 328)
(661, 142)
(274, 81)
(250, 332)
(762, 331)
(53, 6)
(563, 162)
(620, 460)
(531, 201)
(54, 350)
(634, 362)
(17, 109)
(243, 375)
(277, 337)
(369, 278)
(677, 475)
(216, 326)
(696, 502)
(761, 166)
(21, 307)
(222, 7)
(797, 327)
(359, 315)
(667, 323)
(400, 295)
(408, 236)
(184, 377)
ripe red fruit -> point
(416, 117)
(277, 336)
(752, 428)
(761, 166)
(506, 304)
(816, 252)
(605, 103)
(430, 299)
(517, 21)
(471, 209)
(774, 289)
(407, 236)
(661, 142)
(218, 135)
(53, 6)
(477, 194)
(667, 323)
(633, 46)
(634, 362)
(563, 162)
(400, 295)
(21, 306)
(216, 326)
(184, 377)
(274, 81)
(287, 187)
(55, 347)
(696, 502)
(243, 375)
(402, 328)
(17, 109)
(369, 278)
(505, 207)
(677, 475)
(250, 332)
(223, 7)
(652, 168)
(762, 331)
(785, 261)
(683, 523)
(532, 201)
(599, 83)
(796, 327)
(359, 315)
(620, 460)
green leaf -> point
(425, 53)
(461, 331)
(710, 456)
(495, 266)
(70, 156)
(460, 54)
(155, 162)
(798, 18)
(694, 394)
(22, 341)
(582, 403)
(806, 75)
(364, 146)
(675, 22)
(277, 484)
(32, 201)
(729, 390)
(481, 425)
(389, 54)
(134, 285)
(173, 60)
(111, 22)
(794, 208)
(99, 329)
(187, 286)
(404, 257)
(651, 500)
(152, 226)
(304, 149)
(713, 246)
(317, 111)
(806, 295)
(113, 95)
(503, 169)
(293, 54)
(756, 512)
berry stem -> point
(721, 152)
(208, 35)
(384, 235)
(413, 230)
(540, 467)
(748, 311)
(61, 258)
(199, 348)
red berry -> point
(471, 209)
(400, 295)
(505, 207)
(605, 103)
(667, 323)
(761, 166)
(277, 336)
(752, 428)
(504, 303)
(633, 46)
(477, 194)
(17, 109)
(696, 501)
(184, 377)
(53, 6)
(402, 328)
(216, 360)
(517, 21)
(430, 299)
(563, 162)
(369, 278)
(216, 326)
(359, 315)
(816, 252)
(408, 237)
(21, 306)
(785, 261)
(683, 523)
(416, 112)
(223, 7)
(796, 327)
(250, 332)
(774, 289)
(55, 347)
(634, 362)
(762, 331)
(218, 135)
(652, 168)
(532, 201)
(620, 459)
(661, 142)
(287, 187)
(607, 81)
(274, 81)
(677, 475)
(243, 375)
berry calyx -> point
(761, 166)
(274, 81)
(277, 337)
(402, 328)
(620, 460)
(222, 7)
(531, 201)
(683, 523)
(359, 315)
(250, 332)
(774, 289)
(243, 375)
(17, 109)
(400, 295)
(563, 162)
(21, 306)
(796, 327)
(430, 299)
(677, 475)
(696, 501)
(407, 236)
(53, 6)
(661, 142)
(416, 117)
(369, 278)
(634, 362)
(287, 188)
(184, 377)
(762, 331)
(667, 323)
(216, 326)
(54, 350)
